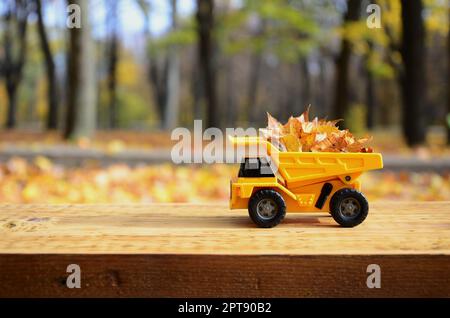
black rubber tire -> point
(335, 204)
(276, 198)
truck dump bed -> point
(297, 168)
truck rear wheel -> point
(266, 208)
(349, 207)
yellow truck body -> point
(300, 176)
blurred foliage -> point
(289, 32)
(275, 27)
(355, 119)
(378, 67)
(436, 16)
(406, 186)
(296, 41)
(131, 108)
(44, 182)
(134, 109)
(184, 36)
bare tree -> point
(305, 91)
(206, 52)
(81, 104)
(256, 61)
(370, 90)
(173, 77)
(343, 63)
(158, 75)
(52, 85)
(229, 101)
(158, 66)
(14, 47)
(112, 60)
(413, 78)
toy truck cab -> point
(301, 182)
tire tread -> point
(334, 207)
(262, 194)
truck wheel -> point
(266, 208)
(349, 207)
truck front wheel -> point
(349, 207)
(266, 208)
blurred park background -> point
(86, 113)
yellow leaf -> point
(291, 142)
(302, 134)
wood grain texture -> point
(224, 276)
(391, 228)
(210, 251)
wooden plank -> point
(224, 276)
(210, 251)
(391, 228)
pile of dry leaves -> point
(317, 135)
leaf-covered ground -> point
(44, 182)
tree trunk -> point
(112, 56)
(254, 75)
(12, 107)
(112, 82)
(206, 48)
(52, 86)
(306, 82)
(158, 77)
(229, 91)
(370, 101)
(253, 86)
(343, 63)
(13, 65)
(81, 112)
(157, 74)
(173, 78)
(370, 93)
(197, 92)
(322, 98)
(413, 77)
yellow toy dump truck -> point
(300, 182)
